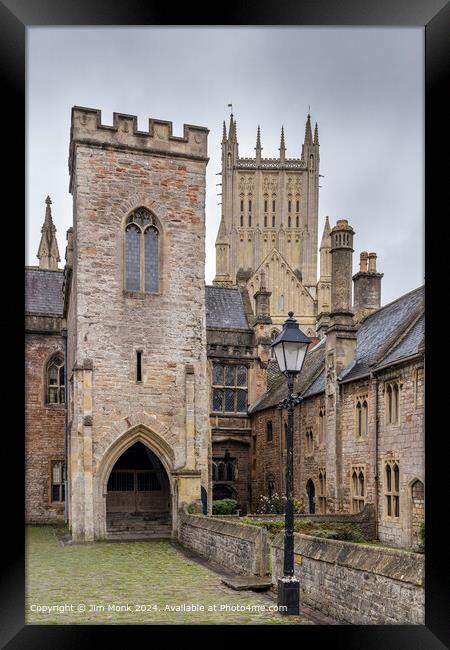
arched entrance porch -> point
(164, 454)
(138, 497)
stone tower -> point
(136, 320)
(269, 222)
(48, 252)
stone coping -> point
(397, 564)
(223, 526)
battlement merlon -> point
(87, 128)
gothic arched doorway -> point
(138, 494)
(311, 492)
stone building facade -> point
(359, 431)
(147, 390)
(44, 381)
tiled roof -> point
(380, 331)
(314, 361)
(225, 308)
(43, 292)
(394, 332)
(408, 345)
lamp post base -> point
(289, 596)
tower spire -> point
(282, 148)
(308, 131)
(316, 135)
(48, 253)
(326, 241)
(224, 134)
(258, 147)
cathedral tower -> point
(269, 222)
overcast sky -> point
(365, 87)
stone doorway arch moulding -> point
(157, 444)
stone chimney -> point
(340, 347)
(367, 287)
(341, 334)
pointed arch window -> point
(55, 380)
(361, 416)
(142, 257)
(297, 221)
(392, 489)
(358, 488)
(392, 402)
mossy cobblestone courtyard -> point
(138, 574)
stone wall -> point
(355, 583)
(242, 548)
(44, 429)
(403, 442)
(115, 170)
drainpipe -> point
(374, 378)
(64, 335)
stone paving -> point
(138, 583)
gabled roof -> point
(43, 292)
(225, 308)
(409, 344)
(314, 362)
(382, 330)
(392, 333)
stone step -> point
(253, 583)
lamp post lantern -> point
(290, 350)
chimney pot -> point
(372, 262)
(363, 262)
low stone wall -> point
(356, 583)
(365, 519)
(240, 547)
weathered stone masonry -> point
(115, 170)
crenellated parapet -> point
(87, 128)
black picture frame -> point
(15, 17)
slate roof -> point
(225, 308)
(383, 329)
(394, 332)
(408, 345)
(314, 361)
(43, 292)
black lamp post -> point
(290, 350)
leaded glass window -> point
(358, 489)
(229, 388)
(55, 381)
(151, 259)
(57, 481)
(392, 489)
(142, 252)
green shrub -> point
(224, 507)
